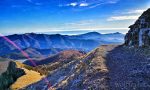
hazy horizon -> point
(74, 32)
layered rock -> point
(139, 33)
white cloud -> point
(89, 3)
(103, 2)
(128, 17)
(130, 12)
(73, 4)
(138, 11)
(83, 4)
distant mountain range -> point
(44, 44)
(32, 52)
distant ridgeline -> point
(42, 44)
(139, 33)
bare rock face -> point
(139, 33)
(10, 76)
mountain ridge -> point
(39, 42)
(65, 56)
(106, 67)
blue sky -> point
(23, 16)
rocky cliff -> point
(139, 33)
(10, 75)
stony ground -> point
(109, 67)
(129, 68)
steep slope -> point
(109, 67)
(139, 33)
(88, 72)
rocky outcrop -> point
(139, 33)
(10, 75)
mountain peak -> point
(96, 33)
(117, 33)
